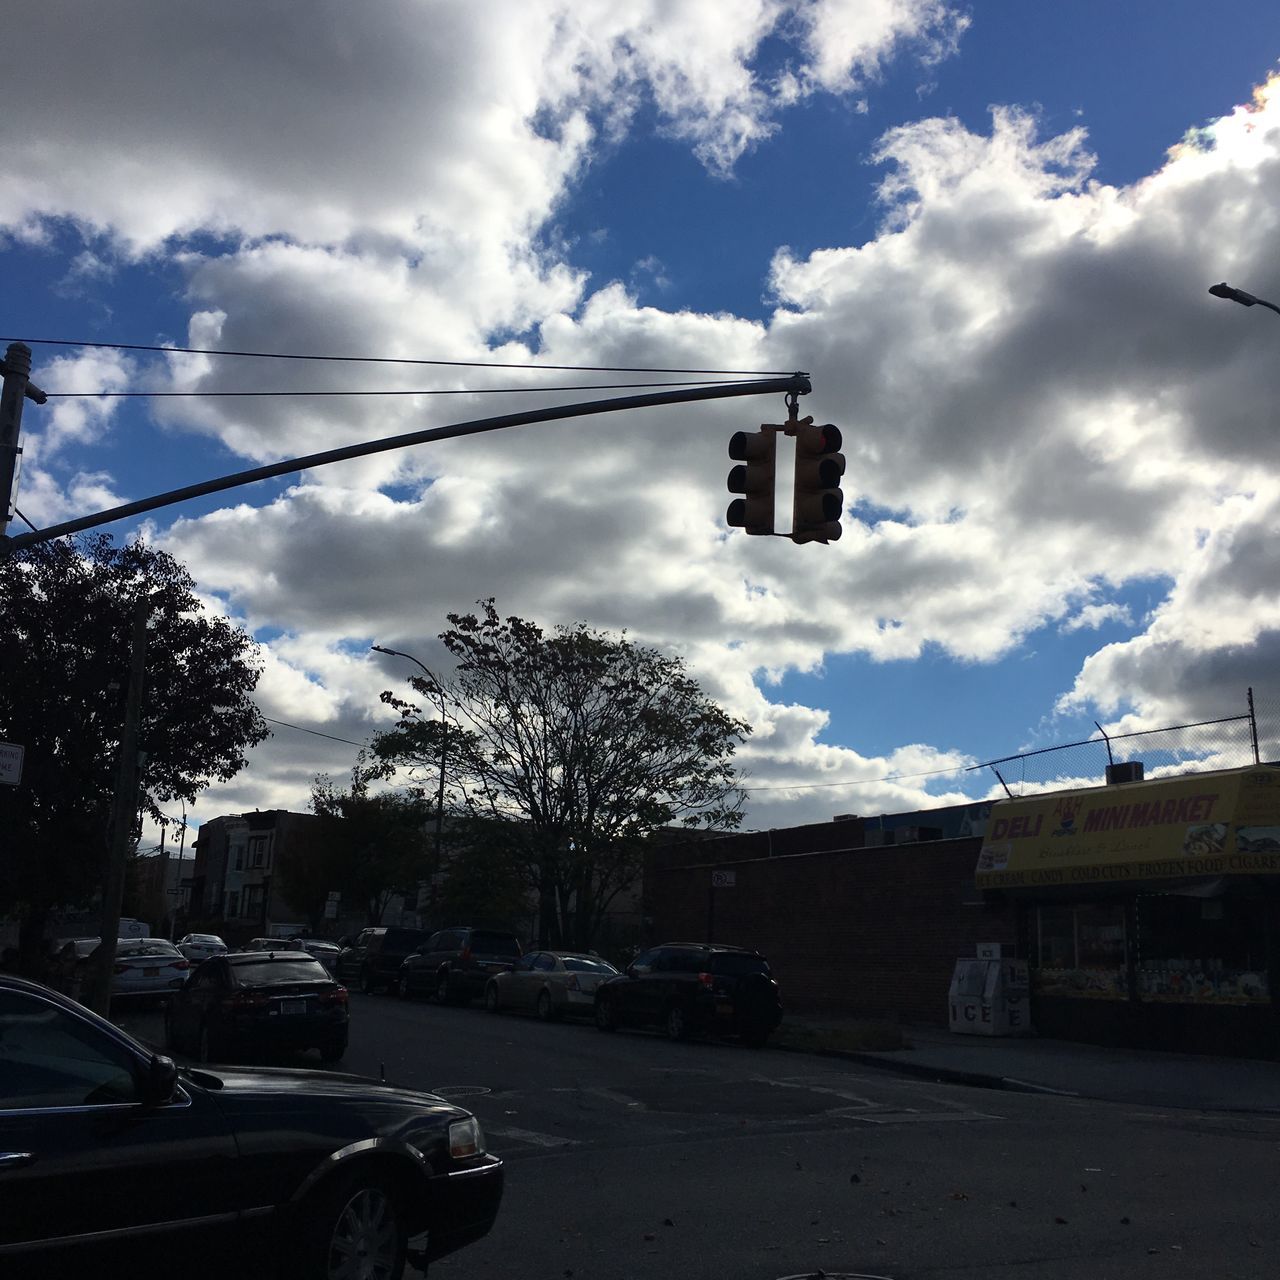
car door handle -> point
(16, 1159)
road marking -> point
(607, 1095)
(531, 1136)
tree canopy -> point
(570, 748)
(66, 609)
(368, 847)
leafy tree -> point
(66, 609)
(572, 748)
(369, 847)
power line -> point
(448, 391)
(456, 364)
(856, 782)
(285, 724)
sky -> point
(987, 233)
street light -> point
(444, 739)
(1239, 295)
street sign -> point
(10, 763)
(724, 879)
(331, 909)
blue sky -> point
(976, 228)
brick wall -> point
(866, 931)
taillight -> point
(336, 996)
(181, 964)
(246, 1000)
(707, 979)
(466, 953)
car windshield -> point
(205, 939)
(587, 964)
(147, 947)
(268, 971)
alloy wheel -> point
(365, 1243)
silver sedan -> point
(200, 946)
(549, 983)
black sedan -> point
(113, 1160)
(258, 1002)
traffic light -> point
(818, 500)
(757, 452)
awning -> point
(1204, 824)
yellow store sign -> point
(1205, 824)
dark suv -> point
(455, 965)
(373, 959)
(690, 987)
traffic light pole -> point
(796, 384)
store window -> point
(1078, 950)
(1202, 950)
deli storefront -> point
(1149, 912)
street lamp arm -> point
(1239, 295)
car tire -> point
(492, 1001)
(546, 1010)
(676, 1023)
(444, 992)
(402, 987)
(356, 1213)
(367, 984)
(606, 1018)
(334, 1050)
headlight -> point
(465, 1138)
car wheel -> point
(367, 984)
(355, 1227)
(605, 1017)
(443, 994)
(491, 1000)
(676, 1023)
(333, 1051)
(545, 1011)
(402, 987)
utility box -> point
(990, 998)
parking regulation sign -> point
(10, 763)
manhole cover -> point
(835, 1275)
(460, 1090)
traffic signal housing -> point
(757, 453)
(818, 499)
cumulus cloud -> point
(1040, 403)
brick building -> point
(864, 916)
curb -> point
(922, 1071)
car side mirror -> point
(159, 1080)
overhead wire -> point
(448, 391)
(455, 364)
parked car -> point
(200, 946)
(551, 983)
(326, 952)
(119, 1163)
(255, 1002)
(374, 957)
(144, 967)
(455, 964)
(67, 965)
(687, 987)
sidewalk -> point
(1134, 1076)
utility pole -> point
(124, 811)
(17, 388)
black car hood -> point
(247, 1083)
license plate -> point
(151, 973)
(293, 1006)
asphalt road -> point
(630, 1158)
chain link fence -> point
(1227, 743)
